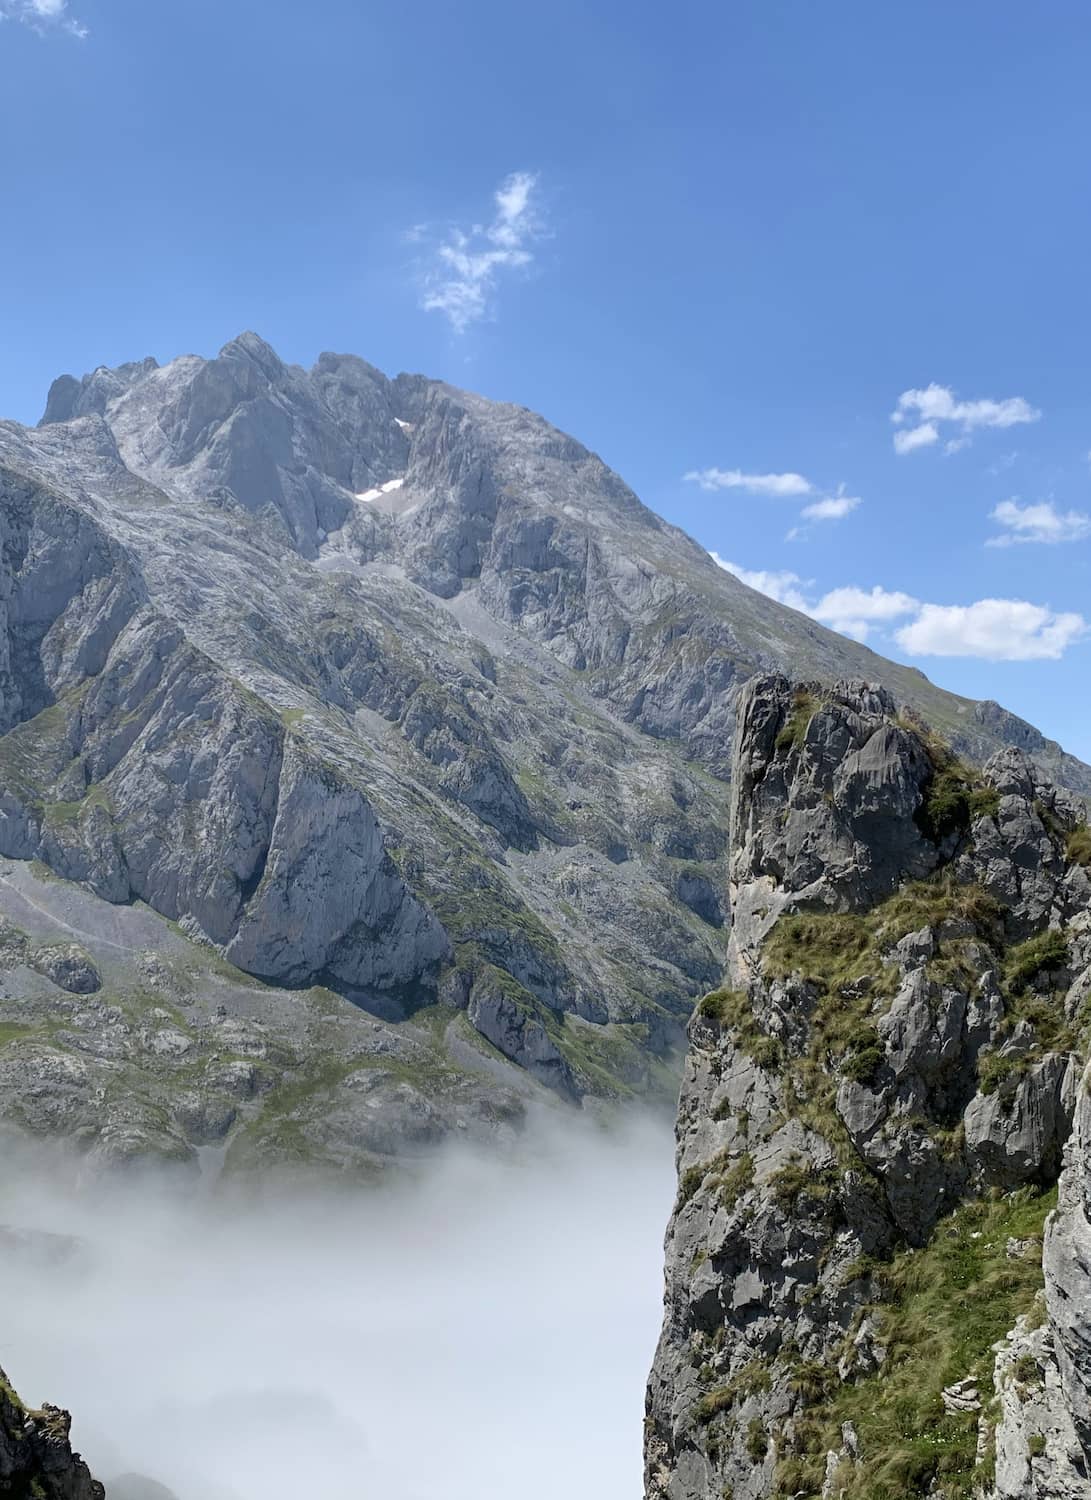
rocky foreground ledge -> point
(36, 1457)
(879, 1262)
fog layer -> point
(482, 1332)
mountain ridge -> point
(379, 685)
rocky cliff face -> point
(377, 686)
(878, 1263)
(36, 1458)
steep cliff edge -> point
(36, 1458)
(879, 1263)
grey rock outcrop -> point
(874, 1112)
(36, 1457)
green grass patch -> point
(731, 1011)
(15, 1031)
(941, 1310)
(956, 794)
(731, 1176)
(1044, 952)
(793, 732)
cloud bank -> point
(483, 1332)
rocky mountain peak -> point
(415, 675)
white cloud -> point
(781, 486)
(916, 437)
(1037, 523)
(786, 486)
(993, 629)
(461, 280)
(784, 587)
(42, 15)
(832, 508)
(936, 404)
(854, 611)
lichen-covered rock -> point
(874, 1112)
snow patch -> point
(382, 489)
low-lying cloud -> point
(481, 1332)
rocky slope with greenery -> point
(36, 1457)
(879, 1264)
(377, 686)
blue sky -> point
(729, 241)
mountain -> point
(879, 1262)
(387, 696)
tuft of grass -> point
(1038, 955)
(865, 1055)
(1077, 847)
(956, 795)
(732, 1176)
(757, 1440)
(794, 730)
(751, 1380)
(732, 1012)
(832, 949)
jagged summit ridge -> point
(377, 685)
(875, 1114)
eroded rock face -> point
(36, 1457)
(874, 1113)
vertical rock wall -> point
(872, 1126)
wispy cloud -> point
(990, 629)
(777, 486)
(464, 268)
(920, 416)
(1037, 523)
(43, 15)
(832, 508)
